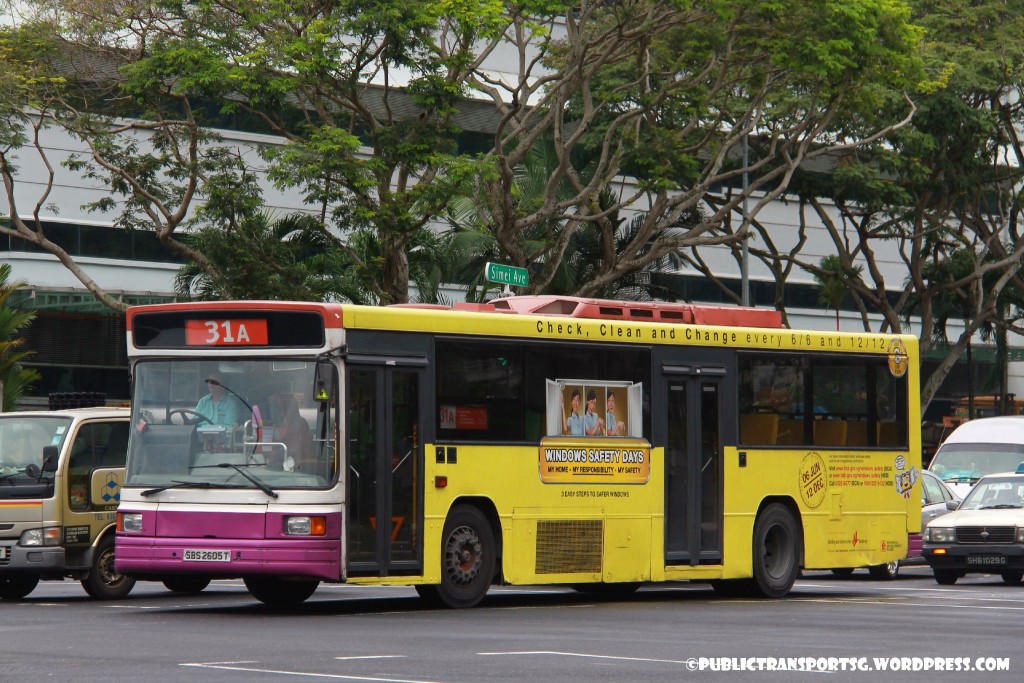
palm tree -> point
(834, 281)
(14, 379)
(471, 243)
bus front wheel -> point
(278, 593)
(468, 559)
(776, 547)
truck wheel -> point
(102, 582)
(776, 551)
(17, 587)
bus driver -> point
(218, 406)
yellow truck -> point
(60, 483)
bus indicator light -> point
(440, 481)
(230, 332)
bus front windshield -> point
(253, 423)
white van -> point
(979, 447)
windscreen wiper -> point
(238, 468)
(191, 485)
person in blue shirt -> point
(593, 424)
(218, 406)
(615, 426)
(573, 424)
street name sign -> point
(506, 275)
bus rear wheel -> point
(776, 548)
(102, 582)
(17, 587)
(468, 559)
(186, 584)
(278, 593)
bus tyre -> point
(776, 548)
(102, 582)
(278, 593)
(468, 558)
(17, 587)
(885, 571)
(186, 584)
(946, 577)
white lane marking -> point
(372, 657)
(229, 666)
(904, 604)
(583, 654)
(684, 662)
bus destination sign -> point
(226, 332)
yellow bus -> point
(531, 440)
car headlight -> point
(1020, 534)
(47, 536)
(129, 522)
(941, 534)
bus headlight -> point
(129, 522)
(305, 525)
(941, 534)
(47, 536)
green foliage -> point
(834, 281)
(16, 380)
(261, 258)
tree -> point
(368, 101)
(14, 379)
(833, 280)
(944, 189)
(664, 93)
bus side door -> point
(690, 426)
(384, 466)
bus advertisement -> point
(529, 440)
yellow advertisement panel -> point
(568, 460)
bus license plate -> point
(986, 559)
(207, 556)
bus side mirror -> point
(49, 459)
